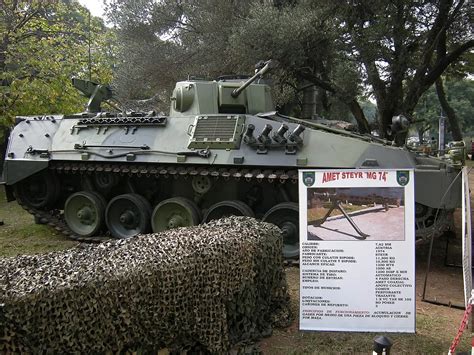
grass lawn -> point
(20, 235)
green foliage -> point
(404, 46)
(161, 42)
(393, 50)
(301, 38)
(209, 38)
(45, 45)
(460, 95)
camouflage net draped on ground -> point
(216, 285)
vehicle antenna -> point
(89, 44)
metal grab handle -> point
(190, 127)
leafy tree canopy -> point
(42, 45)
(460, 95)
(394, 50)
(404, 47)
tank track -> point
(176, 171)
(55, 219)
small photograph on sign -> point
(356, 213)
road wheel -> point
(174, 213)
(128, 215)
(84, 213)
(286, 216)
(227, 208)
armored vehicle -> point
(222, 150)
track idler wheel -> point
(39, 191)
(227, 208)
(174, 213)
(84, 213)
(128, 215)
(286, 216)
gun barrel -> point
(266, 68)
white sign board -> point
(357, 250)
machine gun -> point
(337, 203)
(261, 68)
(96, 93)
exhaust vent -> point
(217, 132)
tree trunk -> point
(322, 103)
(358, 113)
(451, 115)
(421, 132)
(351, 102)
(421, 129)
(309, 102)
(385, 115)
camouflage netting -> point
(214, 286)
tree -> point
(42, 45)
(404, 47)
(162, 42)
(459, 95)
(399, 48)
(210, 38)
(395, 49)
(448, 110)
(304, 39)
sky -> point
(96, 7)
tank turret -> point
(227, 94)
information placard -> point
(357, 250)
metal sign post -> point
(441, 127)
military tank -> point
(222, 150)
